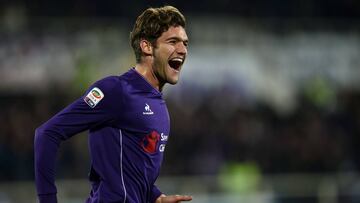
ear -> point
(146, 47)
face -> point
(169, 55)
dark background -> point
(314, 137)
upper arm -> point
(97, 106)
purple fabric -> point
(128, 130)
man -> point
(126, 116)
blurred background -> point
(267, 109)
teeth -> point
(177, 59)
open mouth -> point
(176, 63)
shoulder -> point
(105, 87)
(108, 82)
(104, 92)
(115, 80)
(119, 85)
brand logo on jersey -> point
(149, 142)
(94, 97)
(147, 110)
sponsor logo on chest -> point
(152, 142)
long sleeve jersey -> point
(128, 125)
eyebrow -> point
(177, 39)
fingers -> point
(174, 199)
(182, 198)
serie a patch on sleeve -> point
(94, 97)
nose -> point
(181, 48)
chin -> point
(173, 82)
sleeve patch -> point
(94, 97)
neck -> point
(148, 73)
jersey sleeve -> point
(155, 193)
(97, 107)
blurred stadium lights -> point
(257, 60)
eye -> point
(186, 44)
(172, 42)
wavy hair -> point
(151, 24)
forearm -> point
(46, 145)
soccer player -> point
(126, 116)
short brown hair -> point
(152, 23)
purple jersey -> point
(128, 125)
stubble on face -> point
(170, 46)
(159, 68)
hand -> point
(173, 198)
